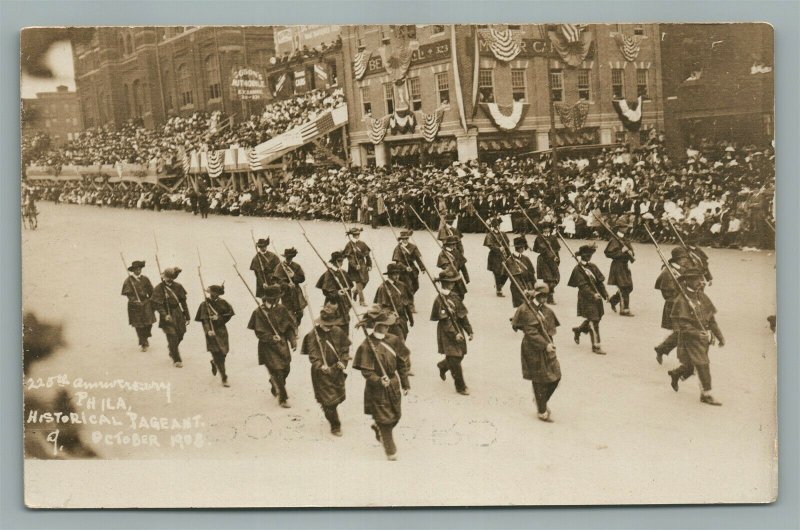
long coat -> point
(498, 248)
(692, 342)
(446, 329)
(140, 309)
(669, 291)
(263, 265)
(383, 403)
(329, 389)
(397, 298)
(524, 273)
(359, 261)
(547, 262)
(219, 342)
(537, 364)
(292, 294)
(584, 276)
(170, 300)
(619, 274)
(275, 355)
(329, 284)
(410, 257)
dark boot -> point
(708, 399)
(577, 334)
(442, 365)
(675, 377)
(614, 300)
(213, 368)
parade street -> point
(614, 415)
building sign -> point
(532, 48)
(424, 54)
(248, 84)
(300, 78)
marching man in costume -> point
(539, 362)
(139, 290)
(169, 299)
(452, 331)
(586, 276)
(359, 263)
(620, 251)
(214, 313)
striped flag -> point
(214, 163)
(572, 32)
(255, 162)
(322, 125)
(280, 83)
(320, 73)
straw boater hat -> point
(262, 243)
(136, 265)
(329, 316)
(289, 253)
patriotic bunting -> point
(572, 43)
(214, 163)
(396, 58)
(402, 122)
(360, 61)
(573, 117)
(430, 124)
(377, 129)
(506, 122)
(320, 125)
(253, 160)
(505, 44)
(628, 46)
(186, 162)
(629, 115)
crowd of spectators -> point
(718, 194)
(202, 131)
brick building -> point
(152, 73)
(56, 114)
(718, 83)
(490, 88)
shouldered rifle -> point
(163, 280)
(262, 278)
(446, 254)
(253, 296)
(125, 264)
(538, 232)
(521, 290)
(356, 251)
(316, 335)
(589, 276)
(614, 235)
(371, 346)
(211, 311)
(404, 251)
(383, 279)
(675, 279)
(442, 297)
(677, 234)
(288, 271)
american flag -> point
(320, 72)
(572, 32)
(322, 125)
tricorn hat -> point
(691, 272)
(539, 288)
(336, 256)
(394, 268)
(262, 243)
(679, 253)
(520, 241)
(587, 250)
(450, 240)
(495, 221)
(376, 315)
(329, 316)
(290, 252)
(136, 265)
(172, 272)
(448, 275)
(271, 292)
(355, 231)
(405, 234)
(216, 289)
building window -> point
(212, 77)
(167, 90)
(185, 80)
(486, 85)
(518, 84)
(617, 83)
(641, 83)
(138, 99)
(584, 92)
(556, 85)
(437, 29)
(128, 100)
(638, 30)
(443, 88)
(388, 96)
(619, 137)
(365, 103)
(415, 93)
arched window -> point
(166, 86)
(128, 100)
(185, 85)
(212, 77)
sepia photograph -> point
(398, 265)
